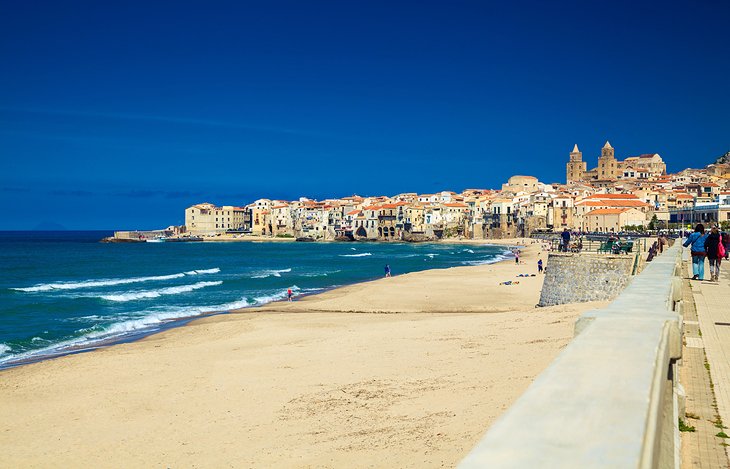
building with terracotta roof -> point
(612, 220)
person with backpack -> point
(715, 252)
(696, 242)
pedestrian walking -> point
(713, 246)
(696, 242)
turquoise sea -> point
(64, 292)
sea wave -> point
(176, 290)
(493, 260)
(214, 270)
(279, 295)
(149, 320)
(362, 254)
(109, 282)
(270, 273)
(319, 274)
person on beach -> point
(539, 266)
(517, 256)
(565, 236)
(289, 294)
(663, 241)
(712, 248)
(387, 270)
(697, 242)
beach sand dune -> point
(295, 385)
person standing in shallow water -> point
(697, 242)
(387, 270)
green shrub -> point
(684, 427)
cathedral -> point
(610, 169)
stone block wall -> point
(581, 277)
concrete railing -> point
(611, 398)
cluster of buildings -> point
(634, 192)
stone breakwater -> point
(577, 278)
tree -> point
(653, 222)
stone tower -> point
(607, 164)
(576, 167)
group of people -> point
(714, 246)
(565, 244)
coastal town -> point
(632, 194)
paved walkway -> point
(712, 301)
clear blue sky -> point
(121, 114)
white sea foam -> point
(431, 255)
(214, 270)
(139, 322)
(493, 260)
(280, 295)
(362, 254)
(109, 282)
(138, 295)
(319, 274)
(92, 317)
(270, 273)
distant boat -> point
(160, 239)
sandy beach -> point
(330, 380)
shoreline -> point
(360, 374)
(135, 336)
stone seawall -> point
(576, 278)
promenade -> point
(712, 301)
(610, 399)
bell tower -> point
(576, 167)
(607, 164)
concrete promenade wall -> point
(611, 398)
(577, 278)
